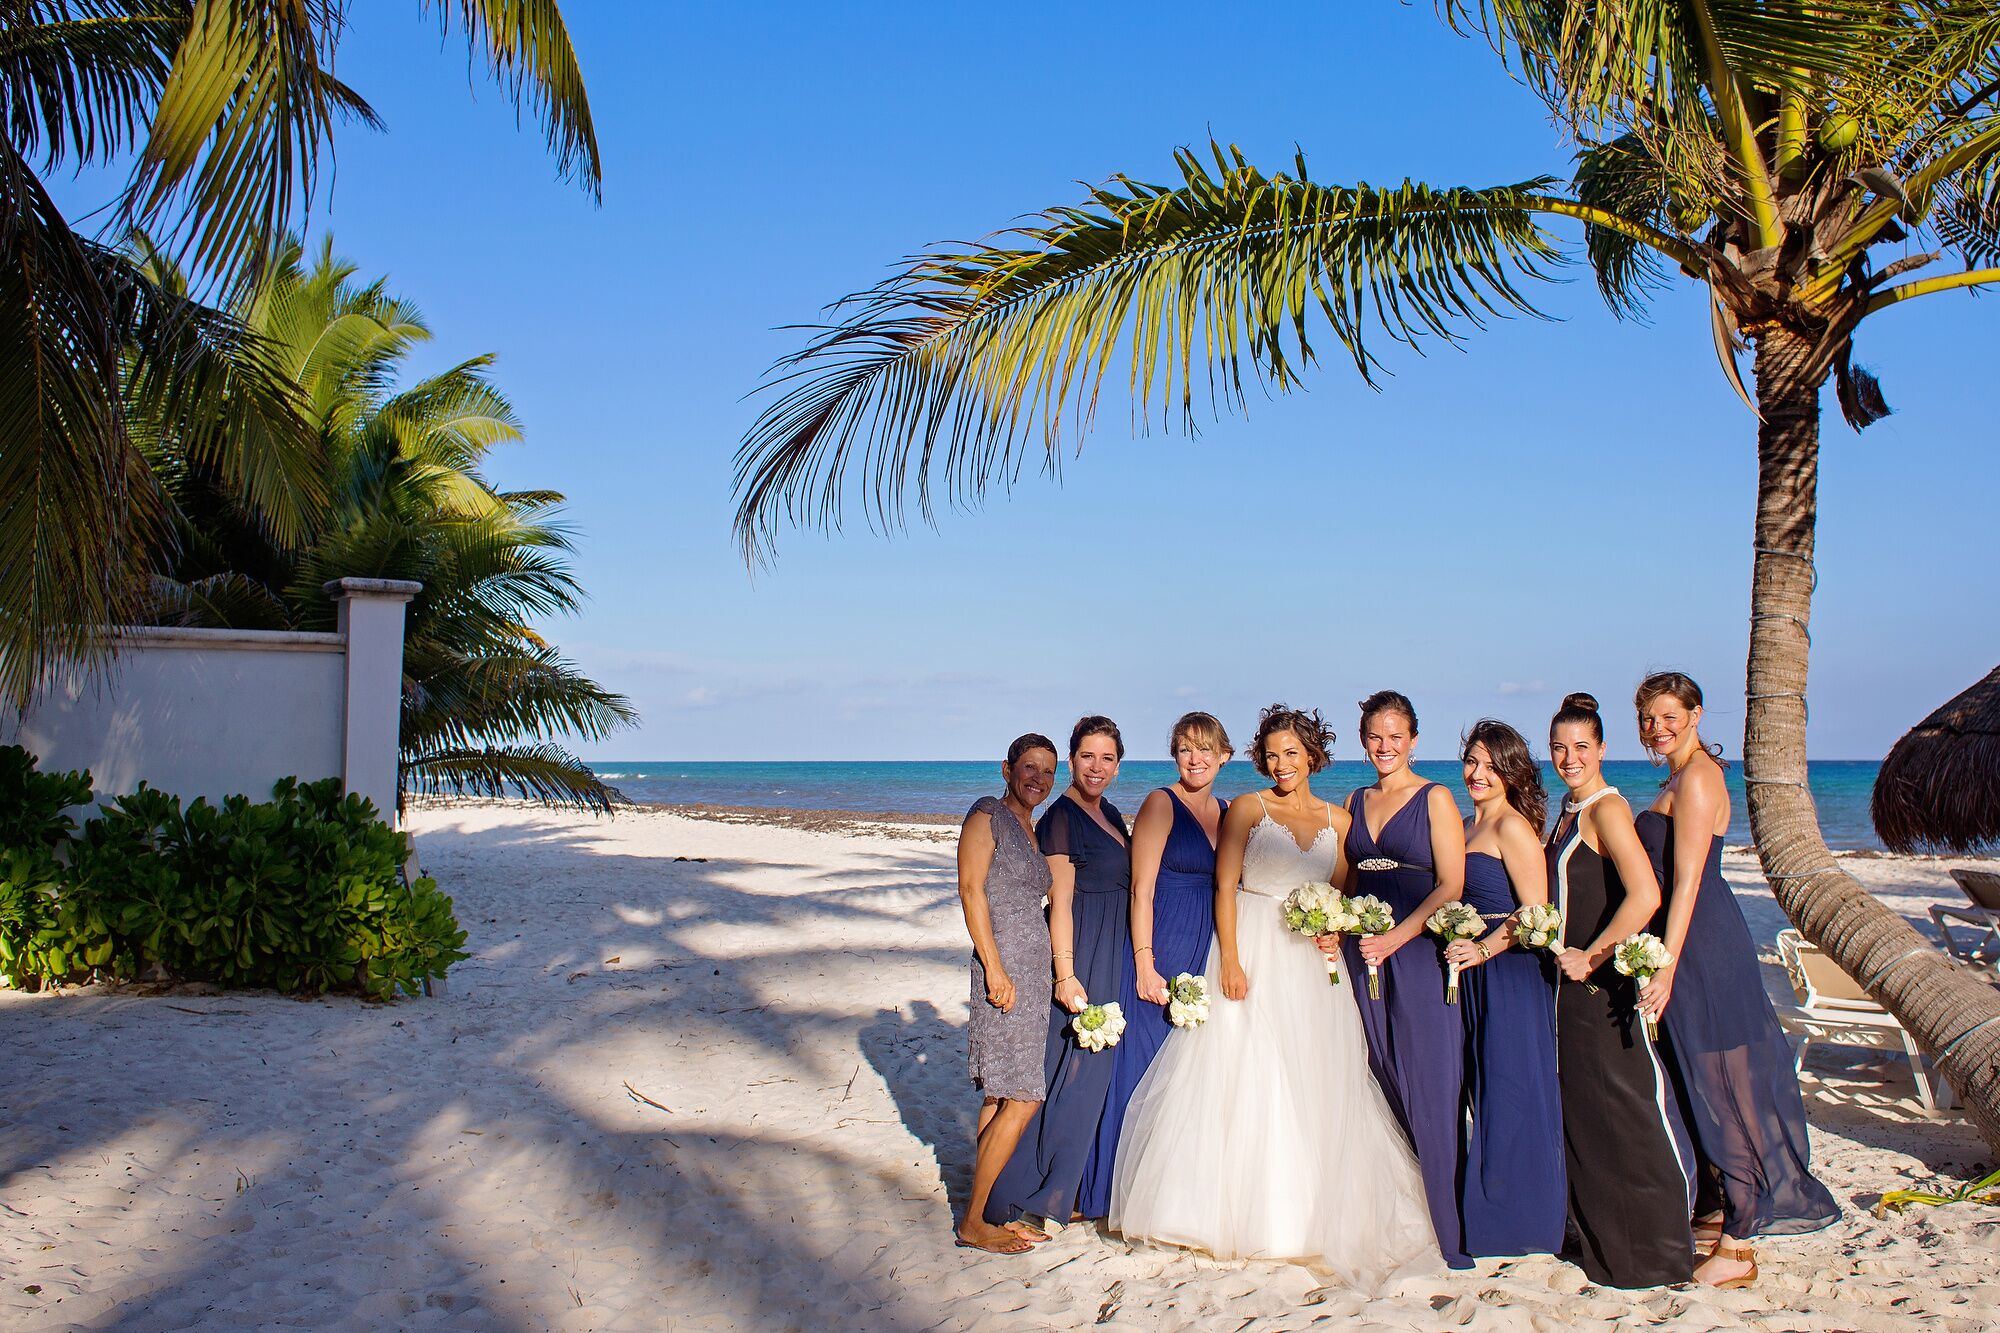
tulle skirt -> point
(1262, 1135)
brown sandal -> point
(1742, 1254)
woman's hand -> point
(1466, 953)
(1574, 964)
(1000, 990)
(1653, 996)
(1377, 949)
(1235, 983)
(1329, 944)
(1071, 995)
(1146, 979)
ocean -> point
(1841, 788)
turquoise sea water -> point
(1841, 788)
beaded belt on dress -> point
(1384, 863)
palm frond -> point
(528, 48)
(1623, 178)
(78, 78)
(545, 773)
(220, 601)
(504, 691)
(969, 359)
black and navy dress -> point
(1056, 1165)
(1629, 1162)
(1738, 1080)
(1514, 1199)
(1416, 1042)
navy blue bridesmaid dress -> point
(1514, 1199)
(1738, 1082)
(1057, 1156)
(1183, 928)
(1416, 1042)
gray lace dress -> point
(1005, 1049)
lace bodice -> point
(1274, 864)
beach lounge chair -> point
(1978, 940)
(1832, 1008)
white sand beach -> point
(703, 1074)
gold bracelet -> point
(1484, 956)
(1144, 948)
(1070, 977)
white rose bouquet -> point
(1454, 921)
(1187, 1001)
(1639, 957)
(1371, 917)
(1538, 926)
(1098, 1026)
(1313, 909)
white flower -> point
(1371, 915)
(1098, 1026)
(1313, 908)
(1538, 925)
(1641, 955)
(1455, 921)
(1187, 1002)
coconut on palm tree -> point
(218, 113)
(485, 697)
(1767, 149)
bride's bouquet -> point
(1454, 921)
(1098, 1026)
(1371, 917)
(1639, 957)
(1313, 909)
(1187, 1001)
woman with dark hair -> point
(1002, 879)
(1629, 1162)
(1173, 919)
(1260, 1134)
(1512, 1199)
(1084, 840)
(1406, 846)
(1739, 1083)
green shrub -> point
(302, 893)
(34, 824)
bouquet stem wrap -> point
(1370, 916)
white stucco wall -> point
(203, 712)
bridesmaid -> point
(1513, 1196)
(1406, 846)
(1629, 1160)
(1173, 920)
(1740, 1084)
(1083, 838)
(1002, 879)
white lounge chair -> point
(1981, 946)
(1833, 1009)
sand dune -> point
(795, 1001)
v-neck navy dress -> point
(1056, 1165)
(1416, 1042)
(1183, 928)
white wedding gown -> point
(1261, 1134)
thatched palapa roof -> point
(1939, 789)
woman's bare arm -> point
(1229, 844)
(1149, 844)
(975, 858)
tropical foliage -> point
(1767, 149)
(303, 892)
(484, 695)
(217, 113)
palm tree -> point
(222, 111)
(1768, 149)
(483, 694)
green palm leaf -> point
(545, 773)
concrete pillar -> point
(371, 621)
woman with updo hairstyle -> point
(1512, 1198)
(1055, 1173)
(1629, 1163)
(1002, 880)
(1735, 1068)
(1261, 1134)
(1173, 918)
(1406, 846)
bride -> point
(1261, 1133)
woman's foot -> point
(979, 1235)
(1733, 1264)
(1028, 1231)
(1707, 1232)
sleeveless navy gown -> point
(1515, 1198)
(1738, 1083)
(1183, 928)
(1416, 1042)
(1046, 1175)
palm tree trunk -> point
(1954, 1017)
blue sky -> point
(1557, 506)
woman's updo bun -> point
(1579, 708)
